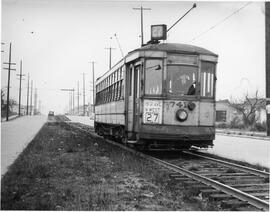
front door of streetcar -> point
(136, 99)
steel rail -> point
(258, 203)
(228, 164)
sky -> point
(58, 39)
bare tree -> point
(247, 107)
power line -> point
(220, 22)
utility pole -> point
(2, 51)
(35, 102)
(31, 106)
(78, 96)
(70, 98)
(20, 89)
(9, 69)
(70, 102)
(93, 72)
(110, 56)
(141, 9)
(39, 107)
(83, 94)
(267, 54)
(27, 106)
(73, 110)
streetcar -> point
(159, 96)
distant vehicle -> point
(159, 96)
(51, 113)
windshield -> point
(181, 80)
(153, 77)
(207, 79)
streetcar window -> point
(117, 74)
(120, 70)
(207, 79)
(182, 80)
(122, 89)
(153, 77)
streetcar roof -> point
(176, 47)
(165, 47)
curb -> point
(243, 135)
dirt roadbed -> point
(66, 169)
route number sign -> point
(152, 112)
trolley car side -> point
(158, 96)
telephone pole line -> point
(35, 102)
(27, 106)
(20, 89)
(71, 104)
(141, 9)
(93, 72)
(110, 56)
(9, 69)
(78, 96)
(83, 94)
(31, 106)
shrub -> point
(259, 127)
(235, 123)
(222, 125)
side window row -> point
(112, 93)
(111, 88)
(111, 79)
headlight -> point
(181, 115)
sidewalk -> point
(244, 134)
(15, 136)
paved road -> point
(254, 151)
(15, 136)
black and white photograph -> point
(128, 105)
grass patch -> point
(65, 169)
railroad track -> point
(230, 185)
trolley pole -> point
(141, 9)
(9, 69)
(20, 89)
(267, 69)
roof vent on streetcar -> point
(181, 115)
(191, 106)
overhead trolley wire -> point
(220, 22)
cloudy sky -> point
(57, 40)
